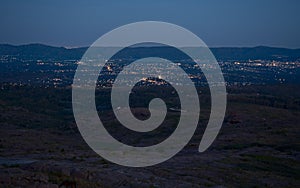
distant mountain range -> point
(40, 51)
(44, 52)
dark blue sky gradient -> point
(216, 22)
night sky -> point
(73, 23)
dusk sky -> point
(218, 23)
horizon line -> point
(76, 47)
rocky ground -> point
(258, 146)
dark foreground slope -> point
(258, 145)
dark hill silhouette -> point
(45, 52)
